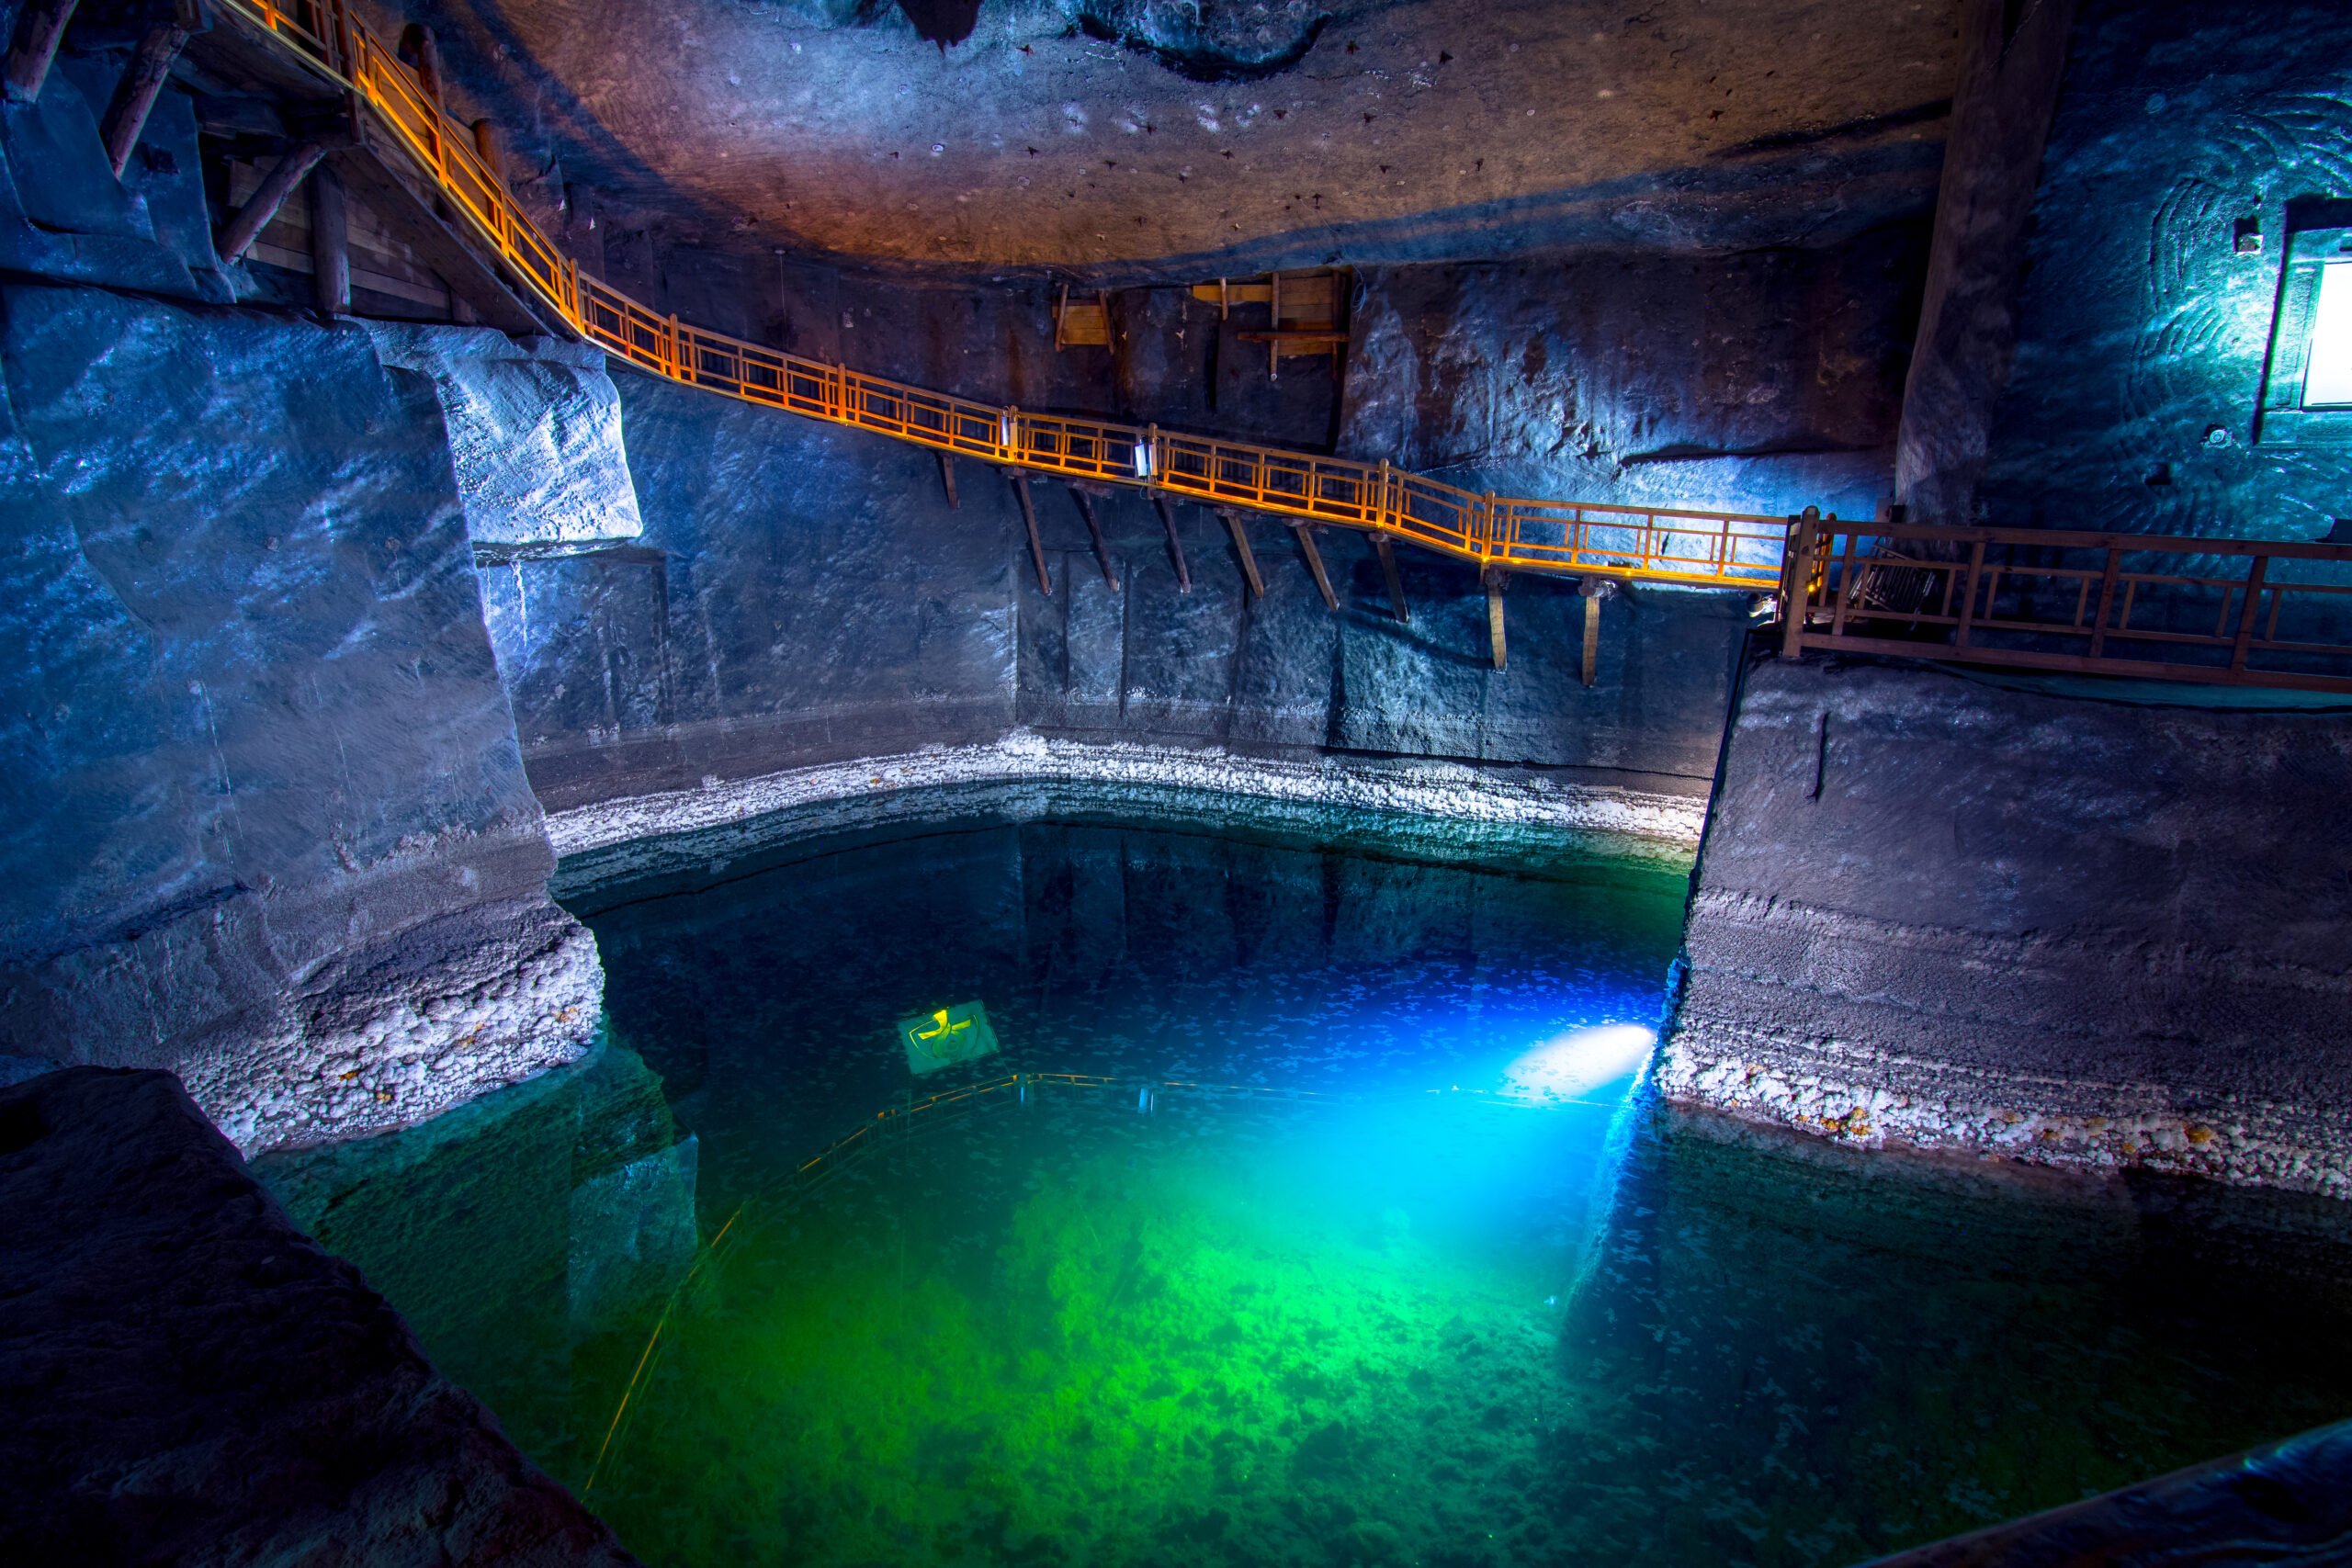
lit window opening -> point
(2327, 376)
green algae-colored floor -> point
(1071, 1334)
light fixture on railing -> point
(1143, 460)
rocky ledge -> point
(185, 1377)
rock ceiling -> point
(1115, 133)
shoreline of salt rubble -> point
(1649, 824)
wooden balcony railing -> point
(2229, 612)
(1709, 549)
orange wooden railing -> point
(1714, 549)
(2227, 611)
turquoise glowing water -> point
(1443, 1291)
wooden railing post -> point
(1848, 571)
(1968, 594)
(1797, 597)
(2105, 600)
(343, 47)
(2254, 579)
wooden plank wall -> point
(386, 278)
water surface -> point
(1356, 1244)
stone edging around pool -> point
(1646, 825)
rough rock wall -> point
(1932, 909)
(2143, 332)
(799, 594)
(270, 829)
(64, 215)
(804, 594)
(192, 1380)
(1764, 381)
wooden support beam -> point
(329, 243)
(1241, 546)
(1591, 629)
(947, 478)
(1036, 545)
(40, 28)
(134, 95)
(381, 180)
(420, 48)
(276, 186)
(490, 145)
(1495, 580)
(1095, 532)
(1305, 532)
(1387, 554)
(1175, 545)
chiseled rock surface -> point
(269, 824)
(535, 432)
(1935, 911)
(186, 1379)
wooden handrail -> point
(2046, 599)
(1698, 549)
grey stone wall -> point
(803, 594)
(1937, 910)
(269, 828)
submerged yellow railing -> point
(1702, 548)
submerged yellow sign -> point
(936, 1040)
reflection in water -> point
(1442, 1289)
(529, 1238)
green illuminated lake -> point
(1318, 1218)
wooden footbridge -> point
(2218, 611)
(1500, 535)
